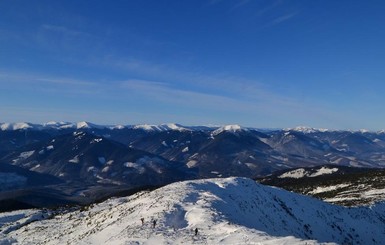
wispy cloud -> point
(283, 18)
(219, 84)
(251, 101)
(164, 92)
(240, 3)
(33, 78)
(269, 7)
(47, 83)
(63, 30)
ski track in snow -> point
(226, 211)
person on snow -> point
(142, 219)
(196, 231)
(154, 223)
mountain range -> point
(79, 163)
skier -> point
(196, 231)
(154, 223)
(142, 219)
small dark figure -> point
(154, 223)
(196, 231)
(142, 219)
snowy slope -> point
(225, 211)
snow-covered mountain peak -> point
(58, 125)
(80, 125)
(364, 131)
(118, 127)
(15, 126)
(229, 128)
(173, 126)
(87, 125)
(145, 127)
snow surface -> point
(324, 170)
(300, 173)
(295, 174)
(96, 140)
(322, 189)
(22, 156)
(75, 159)
(186, 149)
(225, 211)
(360, 193)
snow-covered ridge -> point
(229, 128)
(15, 126)
(161, 127)
(222, 211)
(49, 125)
(88, 125)
(307, 130)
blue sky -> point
(261, 63)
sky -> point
(256, 63)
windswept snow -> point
(225, 211)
